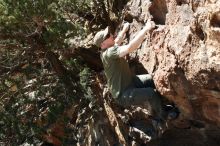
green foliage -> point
(85, 81)
(46, 18)
(32, 96)
(30, 101)
(85, 75)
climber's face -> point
(108, 42)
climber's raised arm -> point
(120, 36)
(136, 42)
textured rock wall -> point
(182, 53)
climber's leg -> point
(139, 96)
(144, 81)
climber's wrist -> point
(122, 33)
(125, 27)
(149, 25)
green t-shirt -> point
(117, 71)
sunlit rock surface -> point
(182, 54)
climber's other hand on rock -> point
(149, 25)
(126, 26)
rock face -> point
(182, 53)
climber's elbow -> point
(124, 50)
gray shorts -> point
(140, 92)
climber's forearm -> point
(121, 34)
(136, 42)
(120, 37)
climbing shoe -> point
(170, 112)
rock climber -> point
(126, 88)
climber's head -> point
(104, 39)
